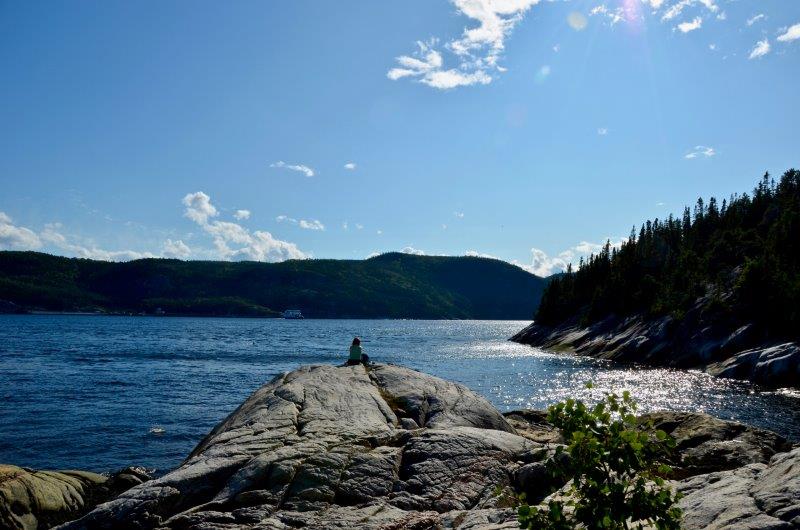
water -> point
(101, 393)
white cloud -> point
(543, 264)
(460, 215)
(686, 27)
(655, 4)
(234, 242)
(712, 47)
(176, 249)
(379, 232)
(556, 48)
(308, 224)
(761, 48)
(350, 165)
(444, 226)
(792, 33)
(199, 208)
(675, 9)
(241, 215)
(16, 237)
(311, 224)
(345, 226)
(301, 168)
(476, 52)
(412, 250)
(753, 20)
(359, 226)
(700, 150)
(476, 254)
(602, 131)
(52, 235)
(613, 15)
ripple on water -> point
(87, 392)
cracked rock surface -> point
(338, 447)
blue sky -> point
(530, 131)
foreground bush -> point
(614, 467)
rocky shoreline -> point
(693, 342)
(387, 448)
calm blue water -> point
(95, 392)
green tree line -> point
(742, 254)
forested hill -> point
(736, 261)
(391, 285)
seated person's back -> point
(357, 355)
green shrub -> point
(615, 465)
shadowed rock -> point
(40, 499)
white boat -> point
(292, 314)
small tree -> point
(616, 468)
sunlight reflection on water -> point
(87, 392)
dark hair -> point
(356, 341)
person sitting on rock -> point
(357, 355)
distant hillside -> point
(391, 285)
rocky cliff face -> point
(390, 448)
(699, 340)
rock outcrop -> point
(41, 499)
(389, 448)
(696, 341)
(338, 447)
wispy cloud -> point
(686, 27)
(700, 151)
(756, 18)
(53, 235)
(301, 168)
(792, 33)
(761, 48)
(460, 215)
(350, 165)
(241, 215)
(307, 224)
(602, 131)
(476, 52)
(613, 16)
(675, 9)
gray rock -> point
(695, 341)
(757, 496)
(330, 447)
(775, 366)
(705, 443)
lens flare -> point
(577, 21)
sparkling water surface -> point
(100, 393)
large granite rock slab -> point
(338, 447)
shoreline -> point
(663, 342)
